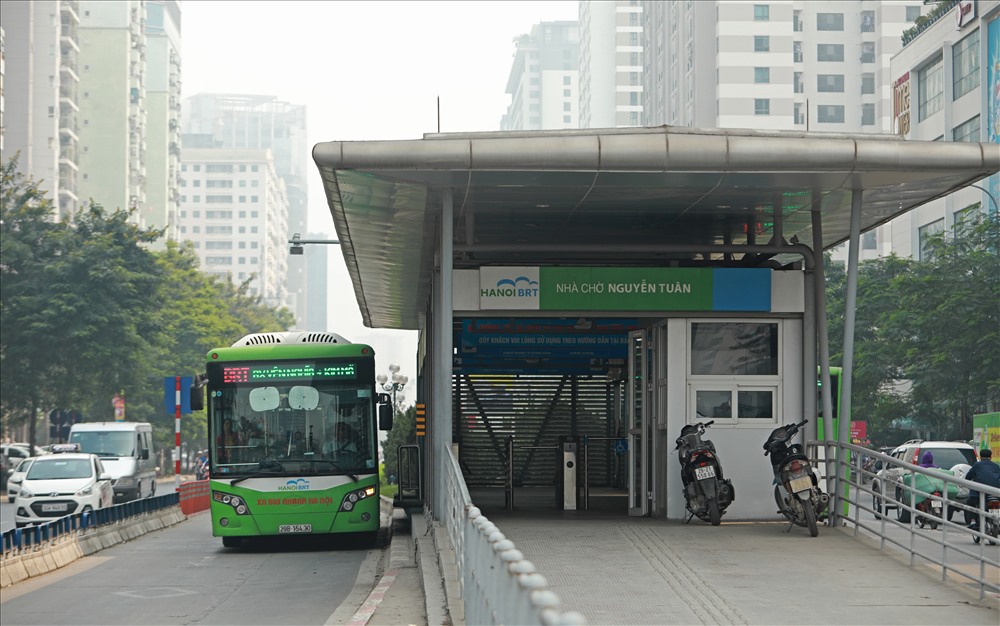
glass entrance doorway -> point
(640, 461)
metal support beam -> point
(441, 409)
(826, 394)
(850, 303)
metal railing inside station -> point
(573, 454)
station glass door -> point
(639, 412)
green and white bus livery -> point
(293, 439)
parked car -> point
(16, 477)
(62, 484)
(949, 455)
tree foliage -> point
(88, 311)
(927, 336)
(403, 432)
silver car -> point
(17, 477)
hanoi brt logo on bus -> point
(508, 288)
(300, 484)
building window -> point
(197, 182)
(797, 21)
(253, 168)
(930, 89)
(965, 65)
(799, 117)
(924, 234)
(566, 80)
(797, 51)
(868, 21)
(219, 168)
(868, 114)
(830, 52)
(912, 13)
(761, 43)
(567, 119)
(830, 83)
(567, 93)
(761, 74)
(761, 12)
(869, 240)
(567, 106)
(868, 52)
(969, 131)
(830, 114)
(868, 83)
(761, 106)
(799, 83)
(829, 21)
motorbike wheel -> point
(714, 515)
(810, 513)
(781, 503)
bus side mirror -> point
(384, 417)
(198, 392)
(144, 455)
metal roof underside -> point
(613, 197)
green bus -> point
(292, 436)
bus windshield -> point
(294, 419)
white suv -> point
(950, 455)
(57, 485)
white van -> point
(126, 451)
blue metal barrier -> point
(19, 539)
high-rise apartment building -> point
(129, 106)
(234, 209)
(40, 86)
(92, 102)
(543, 78)
(946, 81)
(784, 65)
(264, 122)
(611, 63)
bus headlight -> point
(352, 497)
(236, 502)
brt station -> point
(581, 295)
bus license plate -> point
(707, 471)
(53, 508)
(295, 528)
(800, 484)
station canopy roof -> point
(631, 196)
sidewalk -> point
(411, 587)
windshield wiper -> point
(334, 465)
(266, 468)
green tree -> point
(945, 330)
(403, 432)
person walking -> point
(986, 472)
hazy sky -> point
(366, 71)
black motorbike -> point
(796, 489)
(706, 492)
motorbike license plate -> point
(936, 505)
(802, 483)
(707, 471)
(53, 508)
(295, 528)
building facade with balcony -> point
(612, 45)
(542, 83)
(40, 90)
(234, 210)
(946, 86)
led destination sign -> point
(287, 371)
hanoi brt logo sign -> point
(508, 288)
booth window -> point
(734, 370)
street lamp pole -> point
(394, 382)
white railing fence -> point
(498, 585)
